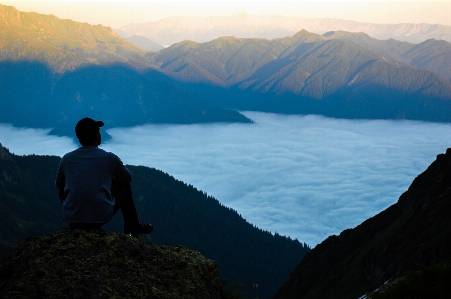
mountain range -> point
(337, 74)
(230, 60)
(172, 30)
(180, 214)
(72, 70)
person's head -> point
(88, 131)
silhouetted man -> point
(94, 184)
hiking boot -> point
(138, 229)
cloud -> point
(25, 141)
(306, 177)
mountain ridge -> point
(231, 56)
(62, 44)
(412, 233)
(204, 29)
(307, 73)
(432, 55)
(118, 94)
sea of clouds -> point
(306, 177)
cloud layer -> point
(306, 177)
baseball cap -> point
(87, 125)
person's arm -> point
(121, 173)
(60, 182)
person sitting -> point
(94, 184)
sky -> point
(119, 13)
(306, 177)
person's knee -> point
(120, 189)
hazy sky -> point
(119, 13)
(306, 177)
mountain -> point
(140, 41)
(432, 55)
(144, 43)
(412, 235)
(307, 73)
(117, 94)
(68, 70)
(180, 214)
(172, 30)
(62, 44)
(97, 264)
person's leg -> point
(124, 201)
(122, 193)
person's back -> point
(94, 184)
(88, 173)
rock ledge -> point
(97, 264)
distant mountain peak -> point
(340, 33)
(144, 43)
(306, 36)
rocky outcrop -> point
(412, 234)
(97, 264)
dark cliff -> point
(406, 237)
(98, 264)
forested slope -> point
(411, 237)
